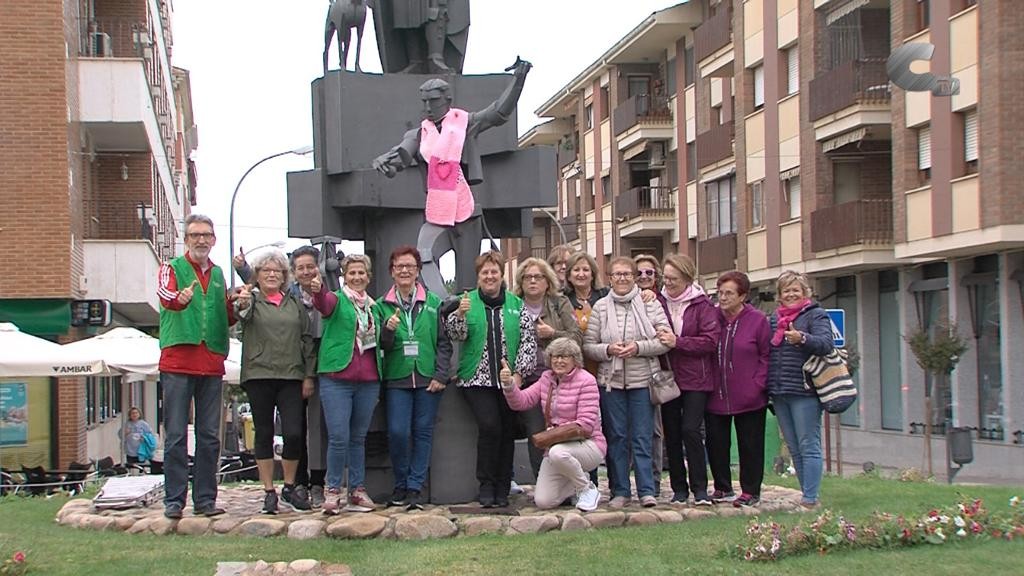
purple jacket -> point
(693, 358)
(741, 373)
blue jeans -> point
(179, 392)
(348, 408)
(628, 423)
(800, 421)
(411, 415)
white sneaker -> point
(588, 498)
(515, 489)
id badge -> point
(411, 349)
(367, 343)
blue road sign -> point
(838, 318)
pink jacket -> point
(576, 400)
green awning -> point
(40, 317)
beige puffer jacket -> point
(637, 371)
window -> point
(606, 104)
(792, 187)
(670, 77)
(757, 204)
(691, 161)
(889, 349)
(923, 14)
(844, 40)
(721, 207)
(102, 399)
(845, 182)
(688, 65)
(589, 113)
(758, 87)
(971, 140)
(589, 189)
(986, 319)
(924, 151)
(792, 70)
(606, 189)
(846, 299)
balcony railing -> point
(715, 145)
(852, 82)
(717, 254)
(645, 201)
(641, 109)
(571, 227)
(713, 34)
(866, 222)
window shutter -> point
(758, 86)
(793, 69)
(924, 148)
(971, 136)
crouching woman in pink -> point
(567, 393)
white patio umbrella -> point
(126, 350)
(25, 356)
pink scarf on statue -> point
(449, 198)
(786, 315)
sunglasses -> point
(648, 272)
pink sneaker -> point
(359, 501)
(332, 501)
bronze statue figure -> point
(342, 17)
(445, 146)
(421, 36)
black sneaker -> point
(172, 511)
(270, 502)
(746, 501)
(208, 511)
(501, 501)
(702, 500)
(719, 496)
(399, 497)
(680, 497)
(414, 500)
(296, 497)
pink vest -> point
(449, 198)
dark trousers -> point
(682, 419)
(496, 438)
(306, 476)
(750, 441)
(286, 396)
(181, 392)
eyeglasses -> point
(533, 277)
(404, 267)
(621, 275)
(648, 272)
(672, 279)
(727, 294)
(561, 357)
(277, 271)
(200, 235)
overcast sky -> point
(252, 62)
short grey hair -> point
(272, 256)
(788, 277)
(565, 347)
(357, 259)
(198, 218)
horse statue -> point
(342, 17)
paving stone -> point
(78, 505)
(641, 519)
(355, 527)
(140, 526)
(225, 525)
(728, 511)
(695, 514)
(123, 523)
(162, 526)
(306, 529)
(573, 521)
(280, 568)
(96, 522)
(337, 570)
(305, 566)
(231, 568)
(72, 519)
(668, 516)
(194, 526)
(474, 526)
(606, 519)
(261, 527)
(424, 527)
(534, 524)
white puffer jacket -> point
(637, 371)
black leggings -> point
(682, 418)
(286, 396)
(750, 437)
(496, 438)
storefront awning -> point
(41, 317)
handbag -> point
(831, 379)
(663, 382)
(552, 435)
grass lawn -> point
(695, 547)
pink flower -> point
(18, 557)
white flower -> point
(938, 532)
(1015, 501)
(961, 533)
(959, 522)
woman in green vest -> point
(415, 358)
(349, 380)
(495, 334)
(277, 355)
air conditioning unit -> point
(101, 45)
(656, 151)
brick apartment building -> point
(764, 135)
(96, 134)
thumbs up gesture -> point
(316, 284)
(238, 261)
(505, 375)
(244, 299)
(392, 323)
(185, 296)
(544, 330)
(463, 305)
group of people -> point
(559, 350)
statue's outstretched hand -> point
(520, 67)
(383, 165)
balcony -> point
(565, 156)
(713, 35)
(717, 254)
(851, 83)
(715, 145)
(124, 272)
(571, 227)
(646, 211)
(643, 111)
(864, 222)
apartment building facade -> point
(97, 140)
(764, 135)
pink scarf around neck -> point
(786, 315)
(356, 298)
(677, 304)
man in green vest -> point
(195, 312)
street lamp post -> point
(231, 215)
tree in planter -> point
(937, 352)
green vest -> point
(394, 364)
(476, 337)
(205, 319)
(339, 337)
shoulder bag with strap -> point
(570, 432)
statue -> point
(421, 36)
(445, 146)
(342, 17)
